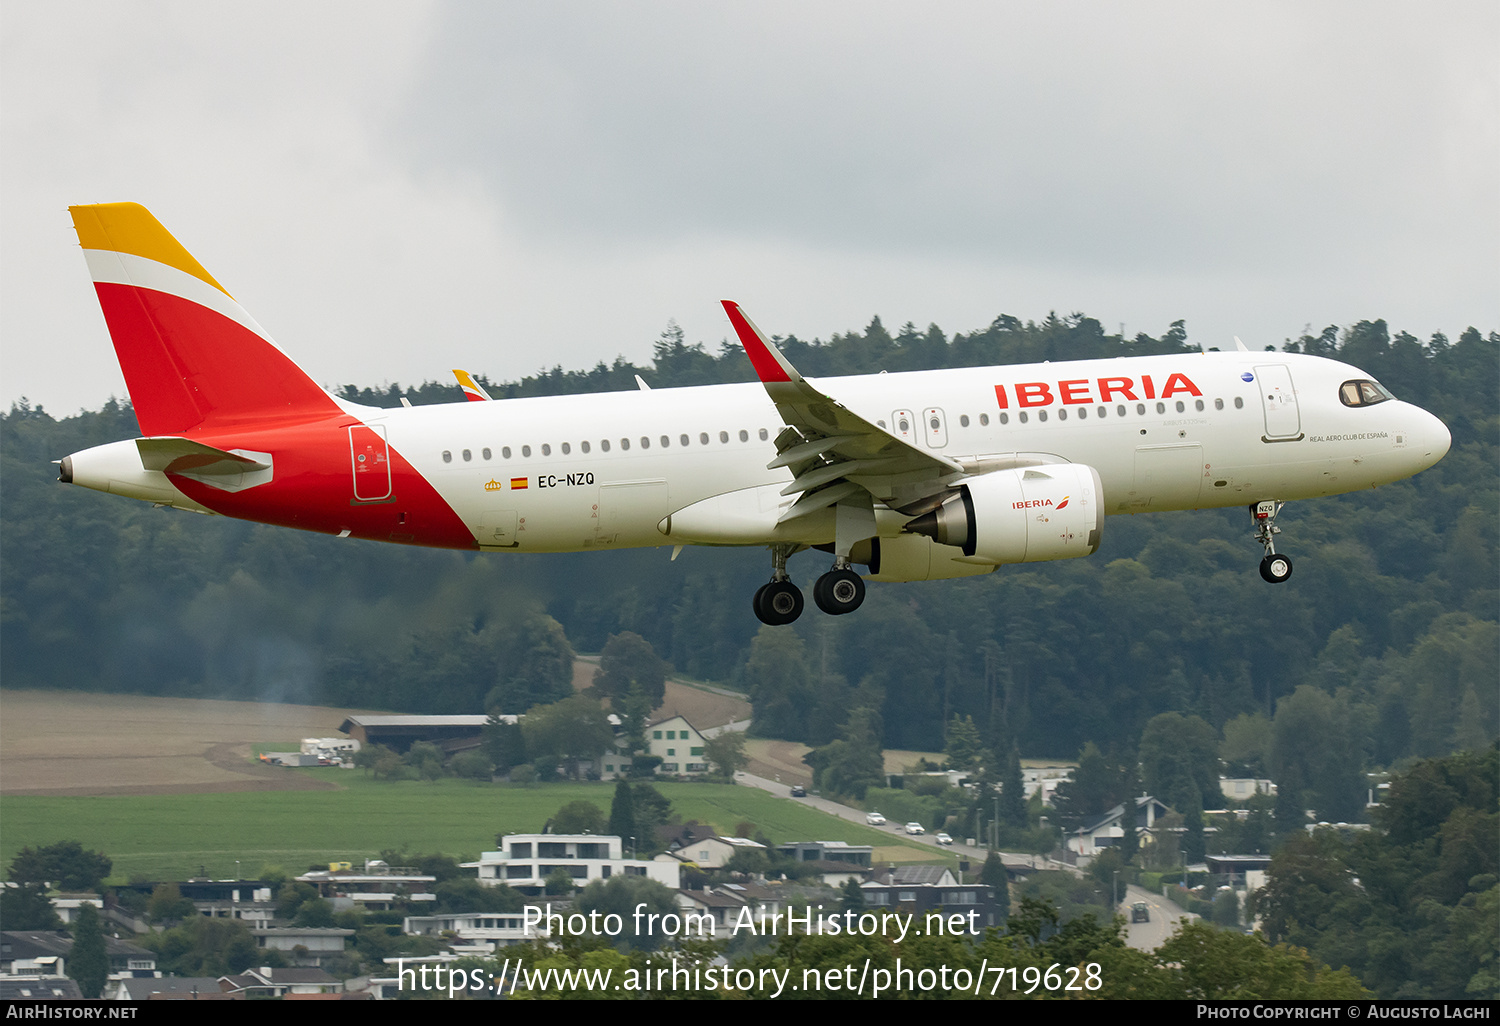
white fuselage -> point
(688, 465)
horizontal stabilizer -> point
(228, 470)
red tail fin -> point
(193, 358)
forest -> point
(1379, 650)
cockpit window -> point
(1363, 392)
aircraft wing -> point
(833, 452)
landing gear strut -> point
(779, 602)
(1275, 568)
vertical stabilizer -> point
(193, 358)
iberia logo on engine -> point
(1037, 503)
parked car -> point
(874, 819)
(914, 828)
(941, 838)
(798, 791)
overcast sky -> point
(395, 189)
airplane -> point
(914, 476)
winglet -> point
(767, 360)
(473, 391)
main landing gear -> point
(1275, 568)
(779, 602)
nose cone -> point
(1430, 438)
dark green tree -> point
(579, 817)
(87, 961)
(1013, 792)
(622, 814)
(65, 865)
(629, 665)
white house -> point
(476, 932)
(1108, 830)
(526, 860)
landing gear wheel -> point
(839, 591)
(778, 603)
(760, 593)
(1276, 568)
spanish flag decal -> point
(518, 483)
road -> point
(1146, 936)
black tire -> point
(755, 603)
(780, 603)
(1276, 568)
(839, 591)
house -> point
(714, 852)
(305, 945)
(526, 860)
(678, 744)
(172, 988)
(378, 886)
(45, 953)
(478, 933)
(1242, 789)
(1108, 830)
(267, 982)
(924, 889)
(835, 861)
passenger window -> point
(468, 455)
(584, 446)
(724, 437)
(1041, 415)
(1239, 403)
(645, 442)
(1005, 418)
(447, 456)
(1120, 410)
(984, 419)
(566, 448)
(1218, 404)
(744, 435)
(624, 444)
(1181, 406)
(505, 452)
(1023, 417)
(525, 450)
(880, 423)
(1062, 414)
(1083, 413)
(764, 434)
(485, 453)
(604, 445)
(703, 438)
(685, 440)
(1161, 407)
(963, 420)
(1102, 411)
(1198, 405)
(546, 449)
(1140, 409)
(666, 441)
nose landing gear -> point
(1275, 567)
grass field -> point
(174, 836)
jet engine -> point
(1022, 515)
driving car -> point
(874, 819)
(942, 838)
(914, 828)
(798, 791)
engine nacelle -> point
(1023, 515)
(911, 557)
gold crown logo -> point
(492, 485)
